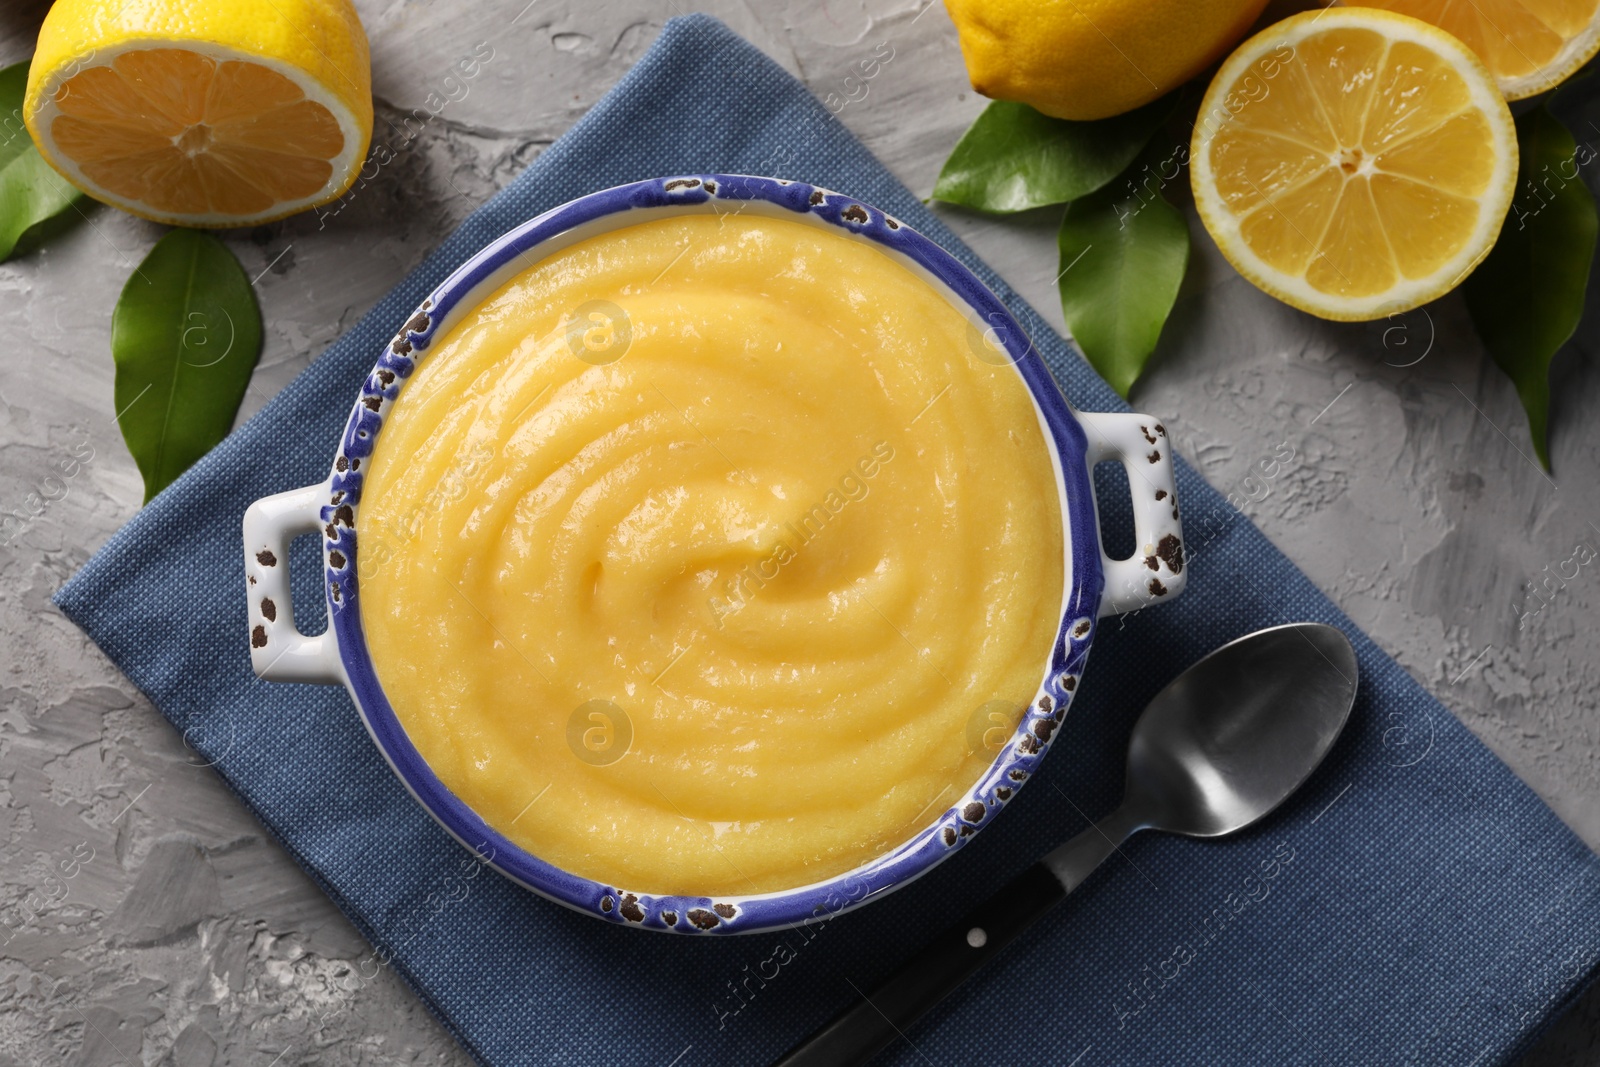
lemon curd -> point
(691, 557)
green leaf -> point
(185, 336)
(1123, 253)
(1013, 158)
(30, 192)
(1527, 296)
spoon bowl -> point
(1234, 735)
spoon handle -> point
(858, 1033)
(1077, 859)
(863, 1029)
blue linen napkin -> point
(1415, 903)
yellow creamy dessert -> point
(689, 558)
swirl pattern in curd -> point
(691, 556)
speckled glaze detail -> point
(334, 508)
(1155, 571)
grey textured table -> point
(190, 939)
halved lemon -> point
(1528, 45)
(1354, 163)
(225, 113)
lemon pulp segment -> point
(182, 132)
(1528, 45)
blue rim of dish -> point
(726, 914)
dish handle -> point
(1155, 571)
(279, 652)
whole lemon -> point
(1090, 59)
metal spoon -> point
(1219, 748)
